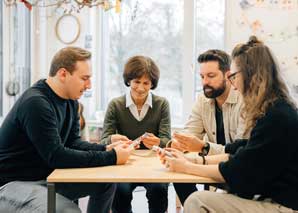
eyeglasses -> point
(232, 77)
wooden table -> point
(143, 166)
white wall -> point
(44, 29)
(274, 23)
(44, 24)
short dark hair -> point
(137, 66)
(67, 58)
(223, 59)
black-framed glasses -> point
(232, 77)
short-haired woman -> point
(130, 116)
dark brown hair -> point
(138, 66)
(67, 58)
(223, 59)
(81, 116)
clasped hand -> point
(177, 163)
(186, 142)
(122, 149)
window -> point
(151, 28)
(1, 60)
(164, 31)
(16, 61)
(210, 30)
(21, 51)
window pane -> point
(1, 59)
(151, 28)
(21, 51)
(210, 19)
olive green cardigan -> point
(119, 120)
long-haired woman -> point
(261, 172)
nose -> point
(88, 84)
(205, 81)
(140, 88)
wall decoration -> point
(72, 24)
(275, 22)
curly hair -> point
(262, 82)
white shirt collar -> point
(129, 101)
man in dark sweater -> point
(41, 133)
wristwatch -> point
(204, 152)
(205, 149)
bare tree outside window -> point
(20, 72)
(15, 79)
(210, 30)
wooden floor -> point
(139, 203)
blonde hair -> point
(262, 82)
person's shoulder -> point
(202, 100)
(281, 114)
(118, 101)
(33, 96)
(36, 92)
(159, 100)
(32, 103)
(282, 109)
(35, 102)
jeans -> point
(157, 195)
(31, 196)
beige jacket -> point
(202, 123)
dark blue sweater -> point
(41, 133)
(267, 164)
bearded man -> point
(215, 119)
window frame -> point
(100, 50)
(189, 63)
(198, 86)
(15, 61)
(1, 60)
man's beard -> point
(214, 93)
